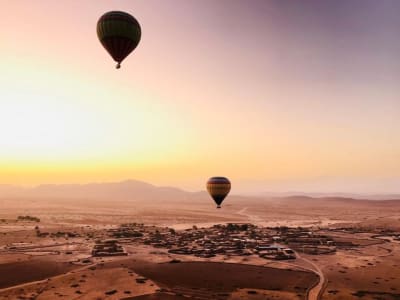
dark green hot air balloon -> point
(218, 188)
(119, 33)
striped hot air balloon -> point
(119, 33)
(218, 188)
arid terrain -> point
(163, 243)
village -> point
(231, 239)
(277, 243)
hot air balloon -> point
(218, 188)
(119, 33)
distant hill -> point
(329, 201)
(332, 195)
(124, 190)
(135, 190)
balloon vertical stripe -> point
(119, 33)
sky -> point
(277, 95)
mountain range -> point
(134, 189)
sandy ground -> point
(373, 269)
(113, 283)
(53, 267)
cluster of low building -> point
(28, 219)
(58, 234)
(229, 240)
(108, 247)
(306, 241)
(233, 240)
(130, 230)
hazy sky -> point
(276, 95)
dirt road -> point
(315, 293)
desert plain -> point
(172, 244)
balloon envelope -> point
(218, 188)
(119, 33)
